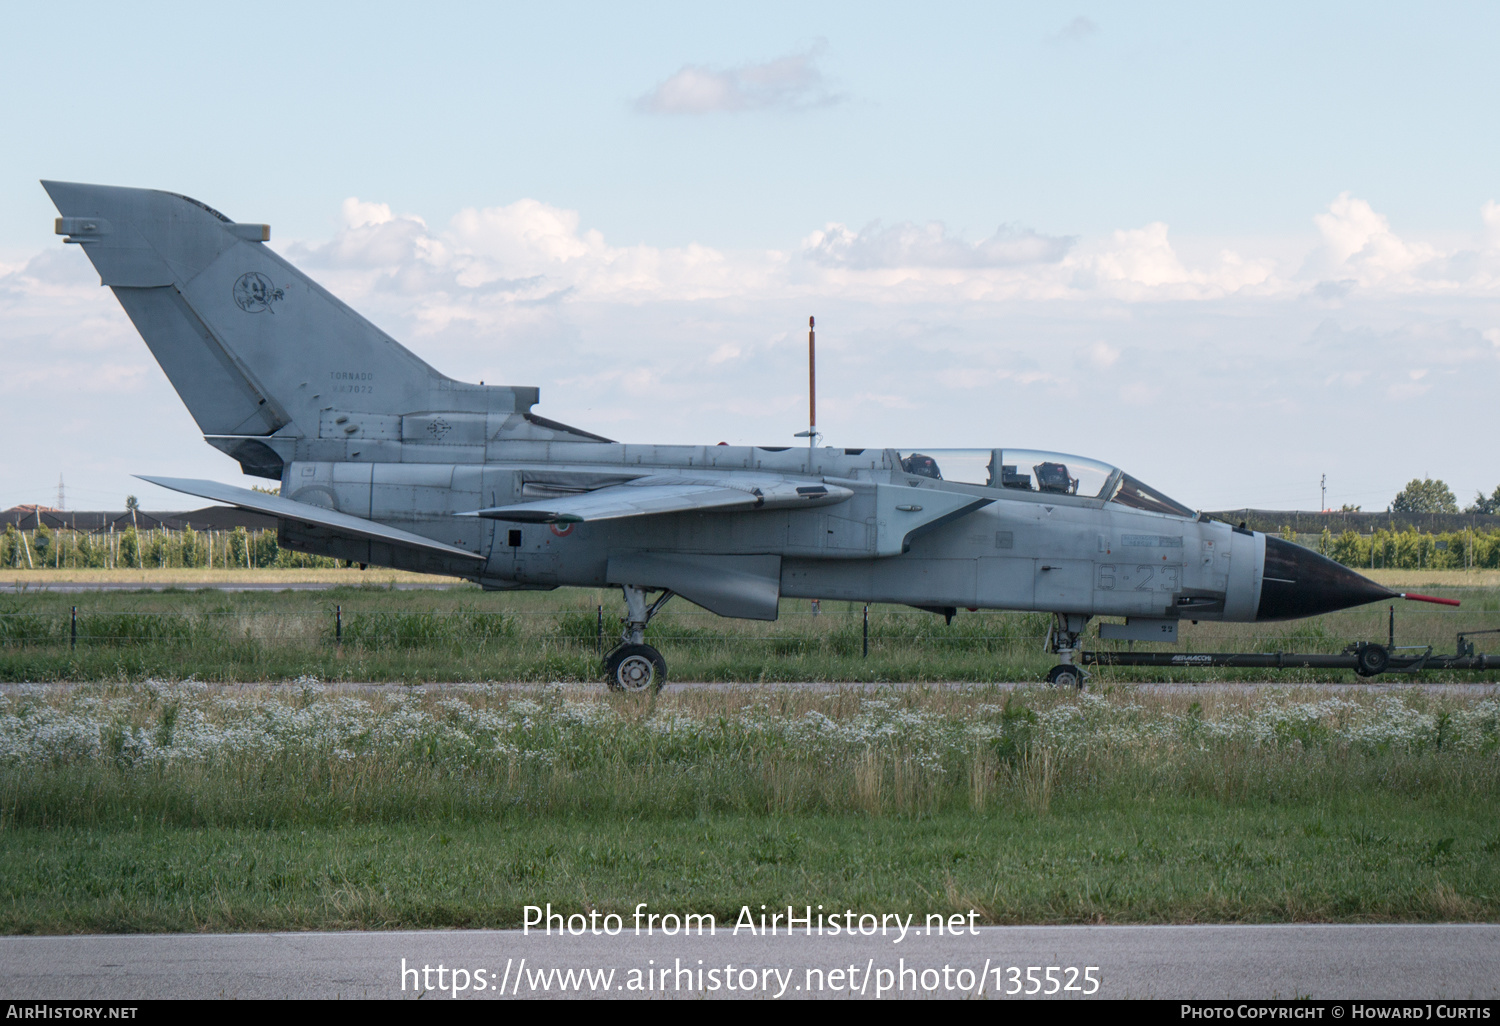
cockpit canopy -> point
(1029, 470)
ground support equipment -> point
(1366, 658)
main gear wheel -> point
(635, 668)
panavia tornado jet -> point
(383, 460)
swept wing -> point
(672, 493)
(289, 509)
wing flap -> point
(289, 509)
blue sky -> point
(753, 164)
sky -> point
(1231, 250)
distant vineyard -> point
(44, 548)
(1407, 550)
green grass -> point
(182, 807)
(1174, 861)
(465, 634)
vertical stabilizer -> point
(253, 346)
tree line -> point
(1425, 495)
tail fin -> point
(254, 347)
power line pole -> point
(1323, 493)
(61, 495)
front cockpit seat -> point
(1054, 477)
(921, 466)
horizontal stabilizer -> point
(288, 509)
(672, 493)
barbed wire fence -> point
(855, 632)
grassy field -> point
(129, 807)
(378, 633)
(1399, 579)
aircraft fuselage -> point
(1020, 550)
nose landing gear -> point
(1062, 640)
(633, 665)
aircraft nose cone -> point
(1299, 582)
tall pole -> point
(1323, 493)
(812, 396)
(812, 392)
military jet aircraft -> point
(383, 460)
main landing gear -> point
(1062, 640)
(633, 665)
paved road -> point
(1477, 689)
(1210, 962)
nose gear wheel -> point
(1065, 675)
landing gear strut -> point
(633, 665)
(1062, 640)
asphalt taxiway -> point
(1177, 962)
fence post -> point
(599, 631)
(867, 632)
(338, 625)
(73, 629)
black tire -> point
(1064, 676)
(1371, 660)
(635, 668)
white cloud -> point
(357, 214)
(1358, 243)
(929, 245)
(526, 234)
(526, 251)
(1489, 214)
(489, 259)
(1075, 31)
(1142, 256)
(1407, 390)
(1139, 263)
(1018, 339)
(792, 82)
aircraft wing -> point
(289, 509)
(672, 493)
